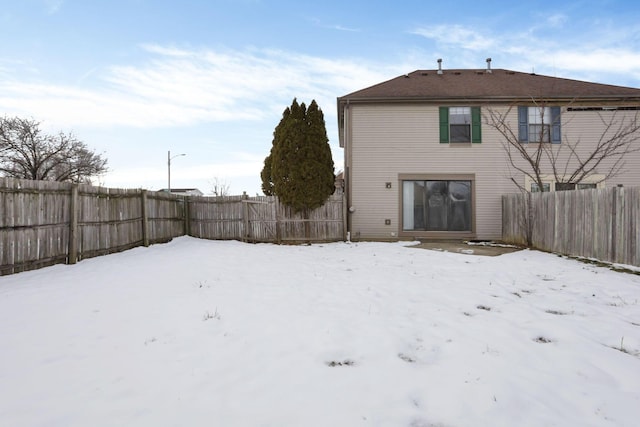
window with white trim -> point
(535, 188)
(539, 124)
(460, 124)
(550, 184)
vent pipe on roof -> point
(488, 65)
(440, 66)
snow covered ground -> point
(206, 333)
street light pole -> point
(169, 158)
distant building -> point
(185, 191)
(339, 181)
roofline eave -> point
(489, 99)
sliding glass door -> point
(436, 205)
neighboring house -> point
(421, 160)
(339, 181)
(185, 191)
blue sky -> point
(137, 78)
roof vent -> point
(440, 66)
(488, 65)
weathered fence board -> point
(594, 223)
(165, 216)
(264, 219)
(216, 218)
(109, 220)
(34, 224)
(44, 223)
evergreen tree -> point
(299, 169)
(319, 166)
(267, 182)
(267, 179)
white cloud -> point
(335, 26)
(598, 64)
(603, 57)
(177, 86)
(232, 169)
(241, 172)
(456, 35)
(603, 60)
(556, 20)
(342, 28)
(183, 87)
(53, 6)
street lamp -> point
(169, 158)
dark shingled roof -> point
(482, 85)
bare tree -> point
(570, 162)
(219, 187)
(28, 153)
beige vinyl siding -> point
(387, 140)
(390, 140)
(586, 127)
(583, 129)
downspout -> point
(347, 168)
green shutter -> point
(444, 125)
(476, 125)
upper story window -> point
(460, 124)
(539, 124)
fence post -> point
(245, 220)
(187, 215)
(614, 225)
(617, 225)
(145, 218)
(72, 256)
(276, 209)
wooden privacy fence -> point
(596, 223)
(44, 223)
(265, 219)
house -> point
(185, 191)
(339, 181)
(425, 159)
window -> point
(550, 183)
(535, 188)
(460, 124)
(539, 124)
(436, 205)
(586, 186)
(539, 119)
(563, 186)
